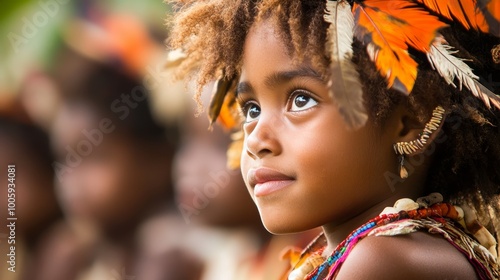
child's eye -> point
(302, 101)
(251, 111)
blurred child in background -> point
(113, 160)
(27, 147)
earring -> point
(416, 146)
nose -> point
(262, 138)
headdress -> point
(390, 30)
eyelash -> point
(298, 91)
(244, 104)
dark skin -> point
(36, 203)
(304, 168)
(411, 257)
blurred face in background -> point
(110, 186)
(35, 202)
(206, 190)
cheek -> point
(35, 198)
(245, 165)
(338, 173)
(198, 165)
(122, 194)
(109, 186)
(234, 193)
(326, 150)
(104, 181)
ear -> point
(412, 135)
(406, 125)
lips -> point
(265, 181)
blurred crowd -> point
(116, 178)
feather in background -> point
(388, 28)
(450, 68)
(464, 11)
(491, 11)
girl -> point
(224, 230)
(350, 107)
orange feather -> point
(491, 10)
(229, 116)
(466, 12)
(388, 28)
(221, 88)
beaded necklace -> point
(312, 264)
(429, 207)
(438, 210)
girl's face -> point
(301, 164)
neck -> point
(337, 232)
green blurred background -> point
(30, 31)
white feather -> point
(344, 83)
(339, 14)
(450, 67)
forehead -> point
(264, 47)
(268, 61)
(75, 122)
(70, 121)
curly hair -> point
(464, 166)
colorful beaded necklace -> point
(438, 210)
(311, 264)
(425, 207)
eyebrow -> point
(282, 77)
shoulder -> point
(418, 255)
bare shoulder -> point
(417, 255)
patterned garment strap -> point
(480, 258)
(427, 213)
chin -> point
(284, 225)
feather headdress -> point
(391, 31)
(388, 29)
